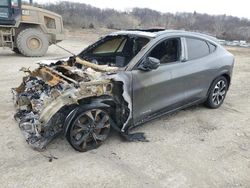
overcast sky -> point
(238, 8)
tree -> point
(82, 15)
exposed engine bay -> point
(49, 94)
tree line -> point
(79, 15)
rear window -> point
(196, 48)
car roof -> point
(135, 32)
(153, 33)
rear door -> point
(161, 89)
(198, 68)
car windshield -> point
(114, 50)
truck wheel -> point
(16, 51)
(32, 42)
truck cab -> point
(27, 29)
(10, 11)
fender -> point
(222, 73)
(96, 103)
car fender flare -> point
(221, 73)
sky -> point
(239, 8)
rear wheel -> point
(32, 42)
(89, 129)
(217, 92)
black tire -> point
(86, 132)
(32, 42)
(16, 50)
(217, 92)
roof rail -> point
(147, 30)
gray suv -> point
(121, 81)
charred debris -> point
(48, 95)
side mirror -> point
(150, 63)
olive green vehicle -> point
(28, 30)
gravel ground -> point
(195, 147)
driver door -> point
(160, 89)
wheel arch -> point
(224, 74)
(24, 25)
(87, 104)
(228, 77)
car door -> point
(160, 89)
(199, 73)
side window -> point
(14, 3)
(50, 22)
(167, 51)
(211, 47)
(196, 48)
(4, 12)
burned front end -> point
(48, 94)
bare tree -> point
(83, 16)
(219, 26)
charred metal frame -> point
(42, 120)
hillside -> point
(79, 15)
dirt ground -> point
(195, 147)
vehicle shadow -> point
(61, 144)
(7, 53)
(168, 117)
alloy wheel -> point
(90, 129)
(219, 92)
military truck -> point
(28, 30)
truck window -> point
(14, 3)
(3, 3)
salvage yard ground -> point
(195, 147)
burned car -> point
(121, 81)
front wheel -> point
(32, 42)
(217, 92)
(89, 129)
